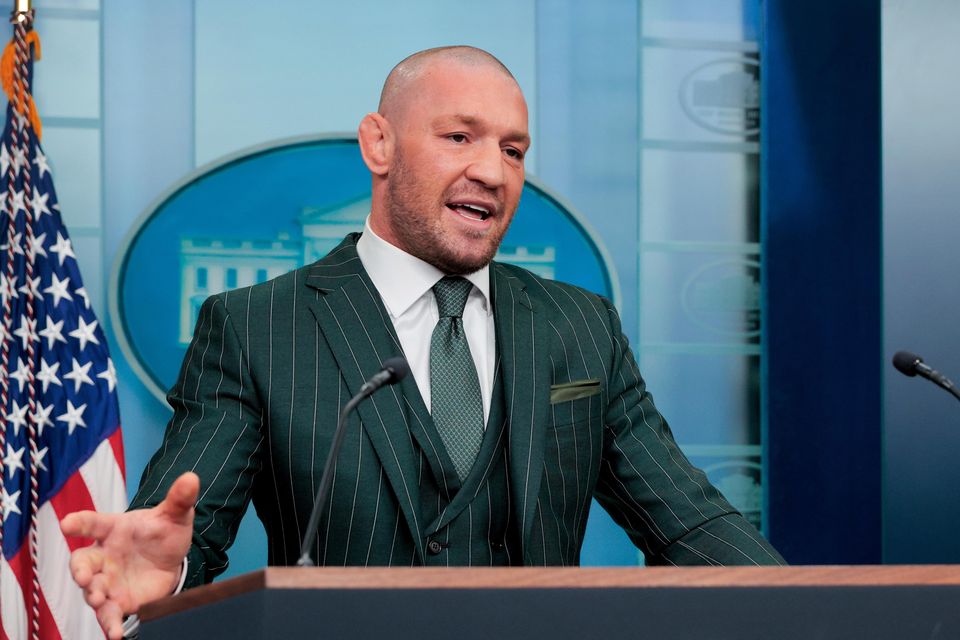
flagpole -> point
(20, 10)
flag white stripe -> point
(13, 615)
(101, 474)
(64, 598)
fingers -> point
(88, 524)
(100, 590)
(96, 592)
(85, 564)
(110, 618)
(181, 498)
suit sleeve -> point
(215, 432)
(666, 505)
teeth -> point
(470, 211)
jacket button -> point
(434, 547)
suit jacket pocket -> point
(575, 402)
(575, 390)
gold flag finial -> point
(21, 9)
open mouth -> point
(475, 212)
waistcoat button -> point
(434, 547)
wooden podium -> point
(742, 603)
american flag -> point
(60, 440)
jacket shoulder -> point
(553, 294)
(276, 289)
(283, 288)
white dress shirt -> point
(405, 284)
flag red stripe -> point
(73, 496)
(13, 614)
(20, 565)
(48, 626)
(116, 441)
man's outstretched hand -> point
(136, 556)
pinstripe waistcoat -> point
(270, 366)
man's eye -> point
(457, 137)
(516, 154)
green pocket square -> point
(573, 390)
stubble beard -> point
(424, 237)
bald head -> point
(446, 157)
(396, 89)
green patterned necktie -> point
(457, 406)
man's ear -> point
(376, 143)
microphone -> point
(910, 364)
(392, 371)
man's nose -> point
(486, 166)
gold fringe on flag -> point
(6, 75)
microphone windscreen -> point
(906, 362)
(397, 367)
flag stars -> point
(8, 287)
(38, 202)
(40, 160)
(84, 333)
(36, 246)
(13, 460)
(82, 292)
(19, 158)
(58, 289)
(53, 333)
(63, 248)
(22, 374)
(48, 374)
(8, 502)
(110, 375)
(73, 417)
(17, 417)
(17, 248)
(18, 203)
(27, 331)
(21, 120)
(31, 287)
(79, 375)
(37, 458)
(4, 159)
(41, 418)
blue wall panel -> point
(821, 238)
(921, 138)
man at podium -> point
(524, 405)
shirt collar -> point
(402, 279)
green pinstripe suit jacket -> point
(270, 366)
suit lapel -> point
(360, 335)
(526, 375)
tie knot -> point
(452, 293)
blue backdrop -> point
(644, 117)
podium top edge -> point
(384, 578)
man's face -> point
(457, 171)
